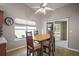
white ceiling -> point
(51, 5)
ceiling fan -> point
(42, 8)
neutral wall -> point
(72, 12)
(20, 11)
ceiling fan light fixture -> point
(42, 9)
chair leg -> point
(38, 53)
(44, 49)
(49, 51)
(27, 51)
(53, 49)
(33, 53)
(53, 53)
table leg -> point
(41, 49)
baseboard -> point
(73, 49)
(70, 49)
(15, 48)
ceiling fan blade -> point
(35, 7)
(39, 10)
(49, 8)
(44, 11)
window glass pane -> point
(20, 33)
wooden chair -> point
(32, 46)
(50, 44)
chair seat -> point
(36, 45)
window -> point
(21, 26)
(20, 31)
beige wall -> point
(72, 12)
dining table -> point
(41, 38)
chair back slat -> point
(29, 39)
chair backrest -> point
(52, 39)
(29, 39)
(50, 33)
(36, 33)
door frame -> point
(64, 19)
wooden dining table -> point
(41, 38)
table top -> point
(41, 37)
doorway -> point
(60, 29)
